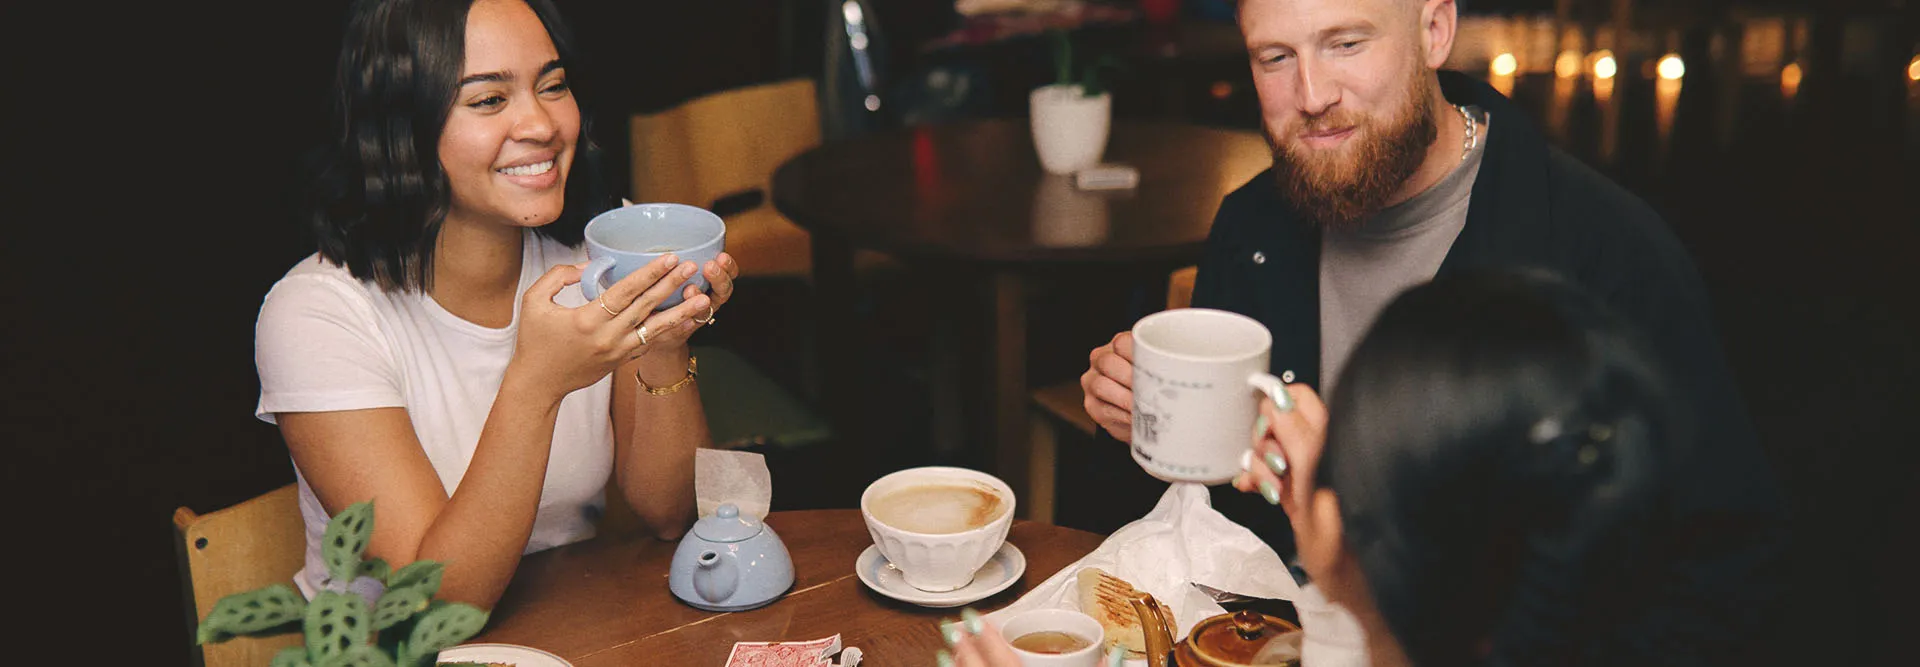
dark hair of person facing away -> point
(1498, 458)
(379, 194)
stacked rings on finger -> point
(603, 306)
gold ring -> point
(710, 311)
(642, 333)
(603, 306)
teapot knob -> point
(727, 511)
(1248, 624)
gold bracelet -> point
(693, 371)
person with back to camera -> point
(1494, 488)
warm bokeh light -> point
(1672, 68)
(1790, 79)
(1567, 65)
(1913, 69)
(1221, 90)
(1604, 66)
(1505, 64)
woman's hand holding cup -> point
(1285, 452)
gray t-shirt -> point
(1363, 268)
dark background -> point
(154, 147)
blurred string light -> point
(1567, 65)
(1505, 64)
(1604, 66)
(1913, 69)
(1672, 68)
(1790, 80)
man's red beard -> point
(1341, 187)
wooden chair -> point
(1061, 406)
(237, 549)
(719, 152)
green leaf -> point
(346, 540)
(1062, 56)
(376, 568)
(363, 655)
(268, 610)
(445, 626)
(397, 605)
(291, 656)
(423, 575)
(335, 624)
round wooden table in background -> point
(605, 601)
(969, 203)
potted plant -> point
(367, 616)
(1072, 116)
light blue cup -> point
(627, 238)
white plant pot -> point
(1069, 129)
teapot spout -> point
(1156, 627)
(716, 579)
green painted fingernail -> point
(1276, 464)
(1271, 492)
(1282, 400)
(1116, 657)
(1260, 426)
(950, 632)
(944, 658)
(972, 618)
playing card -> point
(816, 653)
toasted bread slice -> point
(1107, 599)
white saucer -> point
(1004, 568)
(512, 654)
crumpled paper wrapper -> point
(723, 476)
(1185, 541)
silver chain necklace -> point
(1473, 132)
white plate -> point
(512, 654)
(1004, 568)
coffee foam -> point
(938, 507)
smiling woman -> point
(437, 352)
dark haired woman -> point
(436, 355)
(1492, 490)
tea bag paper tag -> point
(1181, 542)
(724, 476)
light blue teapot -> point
(730, 562)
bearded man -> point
(1387, 172)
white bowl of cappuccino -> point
(938, 525)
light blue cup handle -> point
(595, 272)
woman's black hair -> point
(379, 192)
(1497, 457)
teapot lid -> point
(726, 525)
(1241, 637)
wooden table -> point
(605, 601)
(969, 203)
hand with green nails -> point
(1287, 439)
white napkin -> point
(1185, 541)
(724, 476)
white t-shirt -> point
(326, 341)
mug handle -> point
(1276, 391)
(590, 277)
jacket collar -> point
(1510, 198)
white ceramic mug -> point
(1057, 620)
(1198, 375)
(938, 562)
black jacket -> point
(1534, 206)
